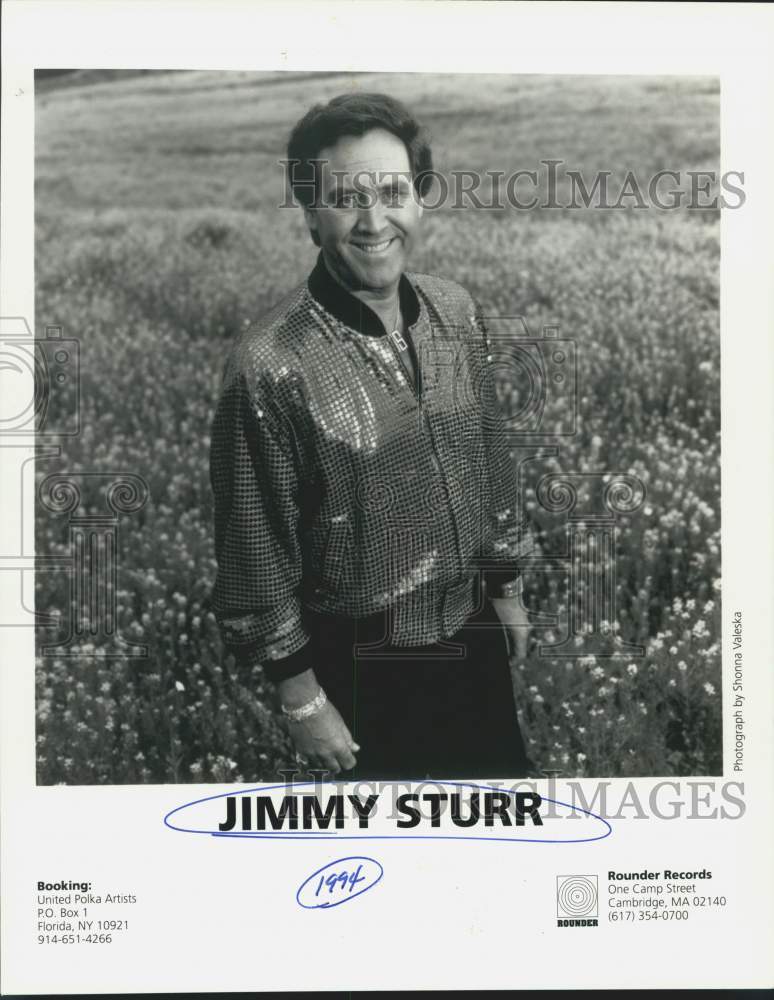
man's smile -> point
(369, 247)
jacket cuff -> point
(271, 634)
(502, 569)
(289, 666)
(501, 581)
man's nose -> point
(371, 217)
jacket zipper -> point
(400, 348)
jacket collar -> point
(350, 310)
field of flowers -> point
(158, 236)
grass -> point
(157, 236)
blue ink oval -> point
(338, 882)
(187, 814)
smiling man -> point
(367, 519)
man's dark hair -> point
(354, 115)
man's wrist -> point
(512, 588)
(294, 692)
(309, 709)
(502, 581)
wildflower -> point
(180, 686)
(709, 688)
(682, 665)
(581, 757)
(673, 650)
(631, 669)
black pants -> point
(429, 711)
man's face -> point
(369, 215)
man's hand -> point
(323, 739)
(515, 619)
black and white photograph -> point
(384, 427)
(414, 382)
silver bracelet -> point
(308, 710)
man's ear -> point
(311, 219)
(310, 216)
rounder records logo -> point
(576, 900)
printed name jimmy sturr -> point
(307, 812)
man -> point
(364, 493)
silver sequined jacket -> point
(348, 481)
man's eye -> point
(395, 196)
(346, 200)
